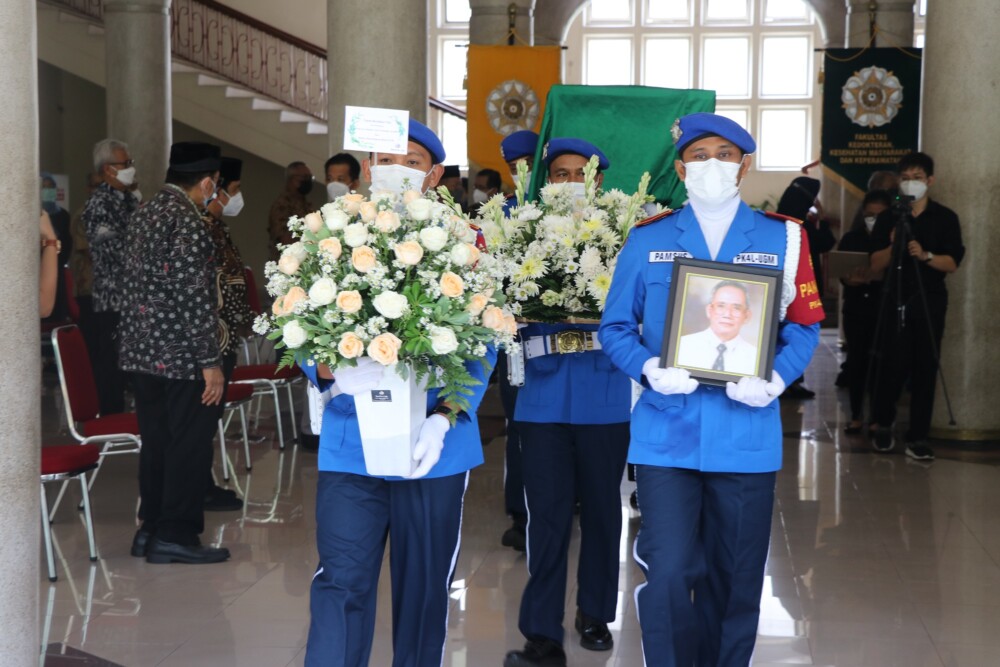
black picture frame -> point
(699, 320)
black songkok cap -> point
(194, 156)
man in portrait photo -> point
(720, 347)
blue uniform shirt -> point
(340, 440)
(705, 430)
(577, 388)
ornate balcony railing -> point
(246, 51)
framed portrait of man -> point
(722, 320)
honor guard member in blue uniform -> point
(705, 456)
(572, 413)
(515, 147)
(356, 512)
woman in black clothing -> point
(860, 309)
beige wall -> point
(306, 19)
(72, 118)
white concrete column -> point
(552, 19)
(137, 59)
(490, 21)
(966, 116)
(893, 17)
(377, 57)
(20, 391)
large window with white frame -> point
(447, 43)
(758, 55)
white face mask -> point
(137, 195)
(126, 176)
(579, 190)
(479, 197)
(915, 189)
(336, 189)
(712, 182)
(869, 222)
(396, 178)
(233, 206)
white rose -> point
(420, 209)
(298, 251)
(293, 335)
(390, 304)
(443, 340)
(460, 254)
(323, 292)
(335, 218)
(356, 234)
(433, 238)
(288, 263)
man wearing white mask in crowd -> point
(105, 218)
(422, 514)
(486, 185)
(706, 457)
(343, 172)
(235, 315)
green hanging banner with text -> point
(871, 111)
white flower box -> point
(390, 418)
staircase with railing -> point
(246, 58)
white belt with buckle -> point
(571, 341)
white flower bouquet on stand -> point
(398, 279)
(559, 253)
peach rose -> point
(363, 259)
(314, 222)
(285, 305)
(409, 252)
(452, 284)
(349, 301)
(411, 196)
(384, 349)
(510, 324)
(350, 346)
(387, 221)
(288, 264)
(477, 303)
(368, 211)
(352, 202)
(493, 318)
(331, 247)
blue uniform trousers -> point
(563, 462)
(704, 535)
(513, 481)
(354, 516)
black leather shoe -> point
(537, 653)
(139, 543)
(594, 634)
(515, 538)
(160, 552)
(222, 500)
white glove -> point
(430, 442)
(754, 391)
(668, 380)
(363, 377)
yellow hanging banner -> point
(507, 87)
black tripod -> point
(894, 293)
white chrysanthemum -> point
(590, 261)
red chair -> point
(116, 433)
(61, 464)
(237, 396)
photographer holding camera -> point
(915, 304)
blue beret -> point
(423, 135)
(563, 145)
(697, 125)
(518, 144)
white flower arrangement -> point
(559, 253)
(397, 278)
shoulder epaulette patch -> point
(474, 227)
(656, 218)
(782, 218)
